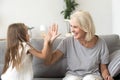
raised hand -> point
(52, 33)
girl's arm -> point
(49, 38)
(105, 73)
(40, 54)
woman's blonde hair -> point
(86, 23)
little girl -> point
(18, 60)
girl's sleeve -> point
(26, 47)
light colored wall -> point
(101, 11)
(116, 16)
(31, 12)
(45, 12)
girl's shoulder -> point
(25, 45)
(25, 48)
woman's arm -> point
(53, 57)
(105, 73)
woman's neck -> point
(89, 44)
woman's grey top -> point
(81, 60)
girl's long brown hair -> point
(16, 34)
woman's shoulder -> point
(101, 40)
(68, 38)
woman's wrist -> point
(105, 75)
(47, 43)
(109, 77)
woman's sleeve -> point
(62, 46)
(104, 53)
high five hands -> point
(52, 33)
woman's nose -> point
(72, 30)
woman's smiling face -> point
(76, 29)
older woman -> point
(87, 53)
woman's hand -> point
(105, 72)
(109, 78)
(52, 33)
